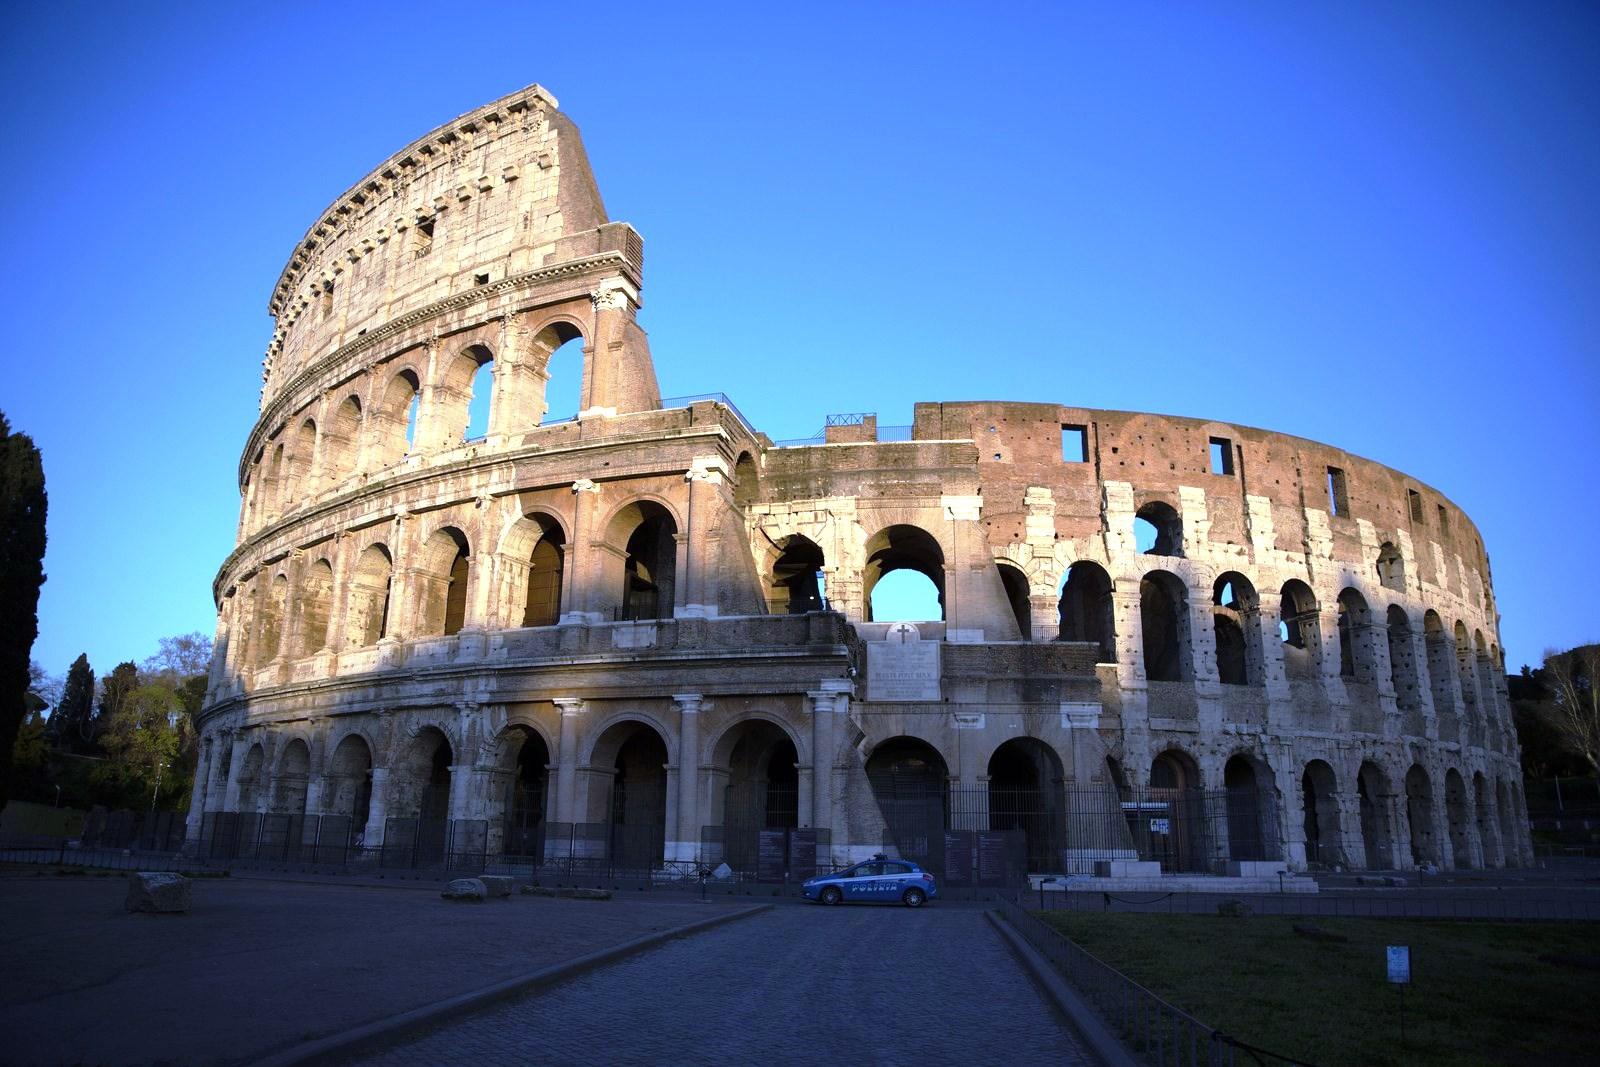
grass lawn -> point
(1479, 992)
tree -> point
(1573, 680)
(179, 659)
(72, 721)
(22, 540)
(114, 689)
(143, 735)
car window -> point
(867, 870)
(897, 868)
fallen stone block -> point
(1234, 908)
(468, 890)
(496, 885)
(157, 891)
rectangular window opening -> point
(1444, 522)
(1221, 456)
(480, 279)
(1074, 444)
(1416, 504)
(1338, 501)
(422, 237)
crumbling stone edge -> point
(339, 1047)
(1102, 1043)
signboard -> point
(992, 859)
(960, 856)
(1399, 959)
(1161, 826)
(803, 852)
(903, 666)
(769, 856)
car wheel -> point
(831, 895)
(914, 898)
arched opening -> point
(797, 581)
(1174, 815)
(1355, 638)
(650, 562)
(910, 783)
(1026, 794)
(1086, 609)
(272, 616)
(1391, 568)
(1455, 810)
(369, 597)
(562, 371)
(1464, 671)
(441, 578)
(348, 792)
(1483, 817)
(250, 778)
(1507, 818)
(316, 600)
(1318, 786)
(341, 442)
(1251, 833)
(1403, 673)
(1164, 619)
(908, 564)
(1298, 628)
(299, 484)
(628, 794)
(759, 768)
(419, 803)
(1441, 665)
(1419, 813)
(746, 482)
(1158, 530)
(289, 784)
(1235, 614)
(1016, 587)
(1373, 799)
(529, 774)
(394, 422)
(480, 396)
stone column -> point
(241, 745)
(687, 841)
(567, 759)
(697, 580)
(197, 802)
(377, 809)
(581, 573)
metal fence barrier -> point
(1573, 906)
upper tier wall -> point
(484, 197)
(1019, 445)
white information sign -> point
(1160, 826)
(903, 667)
(1399, 957)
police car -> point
(880, 878)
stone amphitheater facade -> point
(653, 615)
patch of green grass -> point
(1480, 993)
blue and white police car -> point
(878, 879)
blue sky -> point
(1371, 225)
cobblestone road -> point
(798, 983)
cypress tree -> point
(22, 511)
(69, 725)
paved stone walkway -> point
(259, 966)
(858, 985)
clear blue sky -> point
(1372, 225)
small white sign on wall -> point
(1399, 959)
(903, 667)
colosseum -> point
(459, 623)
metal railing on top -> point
(1154, 1030)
